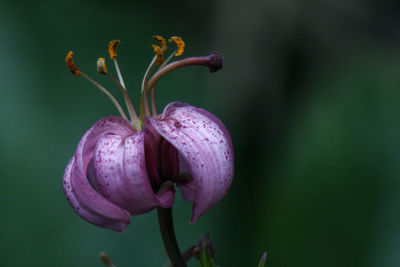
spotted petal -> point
(205, 150)
(121, 175)
(89, 204)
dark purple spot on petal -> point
(177, 124)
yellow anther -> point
(112, 48)
(180, 44)
(71, 65)
(159, 50)
(101, 66)
(161, 41)
(159, 53)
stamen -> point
(144, 105)
(119, 73)
(144, 102)
(179, 51)
(159, 53)
(71, 65)
(159, 50)
(161, 41)
(108, 94)
(112, 50)
(180, 44)
(153, 102)
(168, 59)
(148, 71)
(102, 69)
(101, 66)
(74, 69)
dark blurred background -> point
(310, 92)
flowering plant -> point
(125, 167)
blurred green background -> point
(310, 92)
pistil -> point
(214, 62)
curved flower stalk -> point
(125, 167)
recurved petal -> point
(108, 125)
(121, 174)
(89, 204)
(151, 143)
(134, 165)
(205, 150)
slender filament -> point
(108, 94)
(168, 59)
(119, 73)
(153, 90)
(144, 101)
(148, 72)
(153, 102)
(128, 101)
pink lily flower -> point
(125, 167)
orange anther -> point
(112, 48)
(180, 44)
(71, 65)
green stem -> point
(165, 221)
